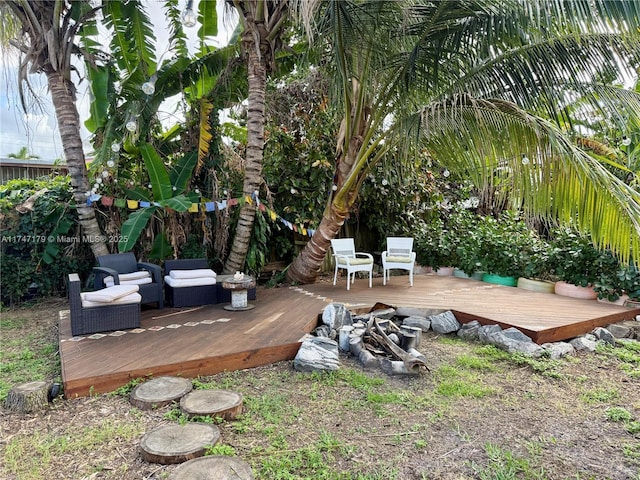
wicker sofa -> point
(189, 296)
(86, 320)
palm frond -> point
(528, 160)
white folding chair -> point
(346, 257)
(398, 255)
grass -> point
(25, 358)
(463, 419)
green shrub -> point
(41, 242)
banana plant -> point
(168, 191)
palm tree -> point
(262, 23)
(23, 154)
(483, 85)
(46, 40)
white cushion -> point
(399, 252)
(395, 259)
(355, 261)
(131, 298)
(134, 275)
(196, 273)
(189, 282)
(108, 281)
(110, 294)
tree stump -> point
(28, 397)
(216, 403)
(159, 392)
(178, 443)
(218, 467)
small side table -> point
(238, 290)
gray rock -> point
(322, 331)
(317, 354)
(335, 315)
(620, 331)
(394, 338)
(486, 331)
(511, 345)
(604, 335)
(422, 323)
(584, 343)
(418, 312)
(469, 331)
(516, 334)
(558, 350)
(444, 323)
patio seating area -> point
(204, 340)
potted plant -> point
(618, 283)
(576, 262)
(535, 257)
(502, 241)
(435, 246)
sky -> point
(38, 130)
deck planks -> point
(207, 340)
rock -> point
(511, 345)
(604, 335)
(469, 331)
(322, 331)
(485, 332)
(335, 315)
(584, 343)
(422, 323)
(515, 334)
(317, 354)
(444, 323)
(394, 338)
(632, 325)
(558, 350)
(620, 331)
(418, 312)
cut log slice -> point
(216, 403)
(178, 443)
(159, 392)
(28, 397)
(213, 468)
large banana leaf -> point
(133, 227)
(160, 181)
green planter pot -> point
(499, 280)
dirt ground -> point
(545, 421)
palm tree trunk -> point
(69, 125)
(257, 79)
(306, 267)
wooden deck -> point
(208, 340)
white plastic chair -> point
(398, 255)
(346, 257)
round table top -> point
(244, 284)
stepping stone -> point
(216, 403)
(159, 392)
(178, 443)
(214, 467)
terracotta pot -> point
(536, 285)
(499, 280)
(620, 301)
(444, 271)
(575, 291)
